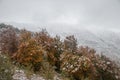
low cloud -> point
(78, 13)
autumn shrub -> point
(29, 52)
(52, 46)
(70, 43)
(55, 50)
(43, 38)
(6, 68)
(8, 41)
(80, 67)
(108, 70)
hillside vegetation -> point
(48, 56)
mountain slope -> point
(105, 42)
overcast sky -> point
(77, 13)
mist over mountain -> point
(103, 41)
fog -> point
(91, 14)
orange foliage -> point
(29, 52)
(52, 46)
(80, 67)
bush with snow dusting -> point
(85, 64)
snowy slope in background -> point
(103, 41)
